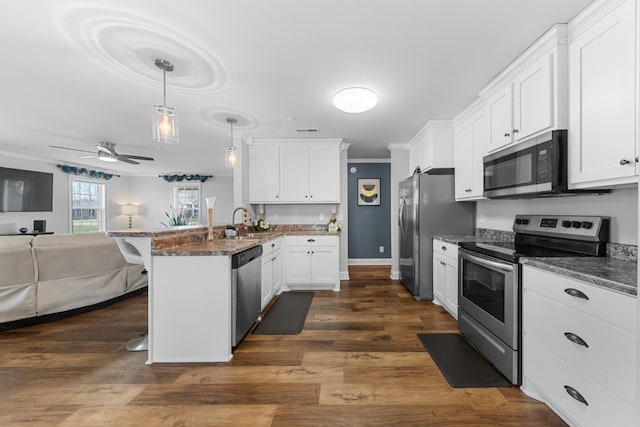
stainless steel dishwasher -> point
(246, 274)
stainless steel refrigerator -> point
(427, 208)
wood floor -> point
(357, 362)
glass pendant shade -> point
(231, 157)
(164, 125)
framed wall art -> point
(369, 192)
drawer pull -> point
(311, 240)
(576, 339)
(574, 393)
(444, 248)
(576, 293)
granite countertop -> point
(455, 238)
(609, 273)
(139, 232)
(231, 246)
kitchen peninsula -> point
(190, 313)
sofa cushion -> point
(71, 255)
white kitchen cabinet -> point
(294, 171)
(530, 96)
(432, 146)
(264, 175)
(445, 276)
(271, 270)
(471, 144)
(603, 93)
(579, 349)
(311, 262)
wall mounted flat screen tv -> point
(25, 191)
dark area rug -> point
(460, 363)
(286, 315)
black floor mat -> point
(287, 315)
(460, 363)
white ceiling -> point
(78, 72)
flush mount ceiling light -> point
(164, 123)
(355, 100)
(231, 154)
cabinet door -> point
(464, 162)
(264, 179)
(451, 281)
(499, 110)
(602, 90)
(324, 265)
(324, 174)
(294, 173)
(276, 276)
(439, 279)
(297, 265)
(266, 284)
(533, 99)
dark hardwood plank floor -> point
(358, 362)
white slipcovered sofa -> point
(46, 274)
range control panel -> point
(588, 228)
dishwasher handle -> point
(245, 257)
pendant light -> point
(164, 123)
(231, 159)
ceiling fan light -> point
(164, 125)
(355, 100)
(106, 157)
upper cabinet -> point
(530, 96)
(471, 143)
(603, 95)
(432, 146)
(294, 171)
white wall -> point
(153, 195)
(621, 205)
(399, 168)
(59, 219)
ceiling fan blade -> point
(72, 149)
(131, 156)
(126, 160)
(88, 157)
(107, 150)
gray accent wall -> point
(369, 226)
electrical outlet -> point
(275, 217)
(321, 217)
(381, 249)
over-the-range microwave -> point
(533, 168)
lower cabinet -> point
(579, 349)
(311, 262)
(271, 271)
(445, 276)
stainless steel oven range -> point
(489, 280)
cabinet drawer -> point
(272, 245)
(607, 353)
(614, 308)
(550, 375)
(312, 240)
(447, 249)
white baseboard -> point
(369, 261)
(344, 275)
(395, 275)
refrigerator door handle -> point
(400, 221)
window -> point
(88, 211)
(185, 199)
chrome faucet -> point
(233, 216)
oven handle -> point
(486, 262)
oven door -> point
(489, 292)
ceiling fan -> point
(107, 153)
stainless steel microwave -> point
(537, 167)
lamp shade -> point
(129, 210)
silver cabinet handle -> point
(486, 262)
(637, 159)
(624, 162)
(311, 240)
(507, 134)
(444, 248)
(515, 130)
(576, 339)
(576, 293)
(277, 196)
(574, 393)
